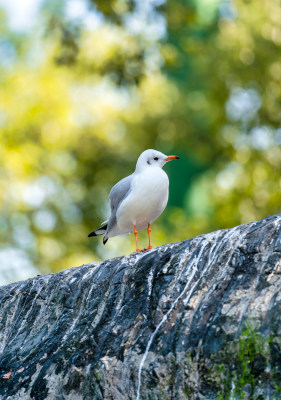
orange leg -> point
(136, 237)
(149, 239)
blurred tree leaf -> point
(79, 102)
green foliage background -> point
(80, 101)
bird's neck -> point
(141, 168)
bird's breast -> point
(151, 185)
(146, 201)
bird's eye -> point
(156, 158)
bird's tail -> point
(100, 231)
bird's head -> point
(153, 159)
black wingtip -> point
(92, 234)
(98, 232)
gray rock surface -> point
(186, 320)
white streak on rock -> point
(193, 267)
(213, 237)
(149, 282)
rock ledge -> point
(199, 319)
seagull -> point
(139, 199)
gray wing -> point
(119, 192)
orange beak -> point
(170, 158)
